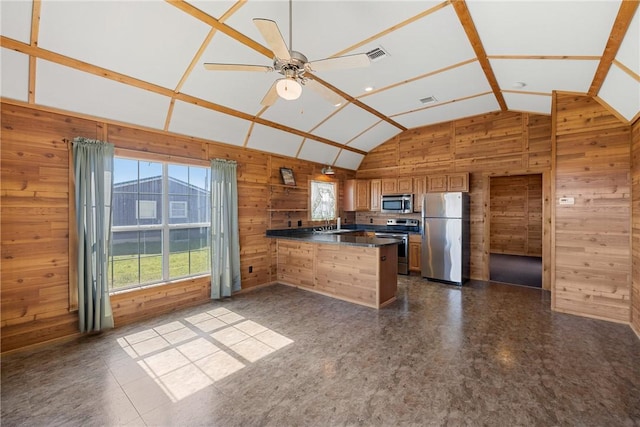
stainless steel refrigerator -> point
(445, 237)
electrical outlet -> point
(370, 220)
(251, 269)
(288, 223)
(567, 200)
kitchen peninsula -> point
(352, 266)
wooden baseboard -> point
(590, 316)
(66, 338)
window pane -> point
(125, 175)
(323, 200)
(199, 180)
(179, 209)
(189, 252)
(178, 179)
(150, 256)
(136, 258)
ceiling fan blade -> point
(340, 62)
(324, 92)
(271, 33)
(271, 97)
(236, 67)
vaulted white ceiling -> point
(141, 63)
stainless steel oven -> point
(403, 248)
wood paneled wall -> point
(496, 144)
(516, 215)
(635, 174)
(35, 218)
(593, 236)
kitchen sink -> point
(334, 231)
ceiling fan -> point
(292, 65)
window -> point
(161, 223)
(323, 200)
(146, 209)
(177, 209)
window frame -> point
(336, 194)
(165, 226)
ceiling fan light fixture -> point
(288, 88)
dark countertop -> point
(336, 239)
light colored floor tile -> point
(210, 325)
(169, 327)
(164, 362)
(197, 349)
(217, 312)
(140, 336)
(229, 336)
(185, 381)
(252, 349)
(230, 318)
(250, 327)
(219, 365)
(149, 346)
(179, 336)
(273, 339)
(200, 317)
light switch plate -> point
(567, 200)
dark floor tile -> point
(481, 354)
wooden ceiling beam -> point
(57, 58)
(223, 28)
(621, 24)
(357, 102)
(35, 31)
(460, 6)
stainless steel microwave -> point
(397, 203)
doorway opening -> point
(515, 251)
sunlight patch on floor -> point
(185, 356)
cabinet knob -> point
(383, 258)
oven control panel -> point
(403, 221)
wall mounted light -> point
(328, 171)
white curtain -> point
(93, 167)
(225, 244)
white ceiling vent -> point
(377, 54)
(429, 100)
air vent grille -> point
(377, 54)
(429, 100)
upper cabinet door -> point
(389, 186)
(376, 193)
(405, 185)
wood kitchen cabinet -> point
(449, 182)
(375, 188)
(357, 195)
(419, 188)
(437, 183)
(415, 252)
(405, 185)
(389, 186)
(458, 182)
(397, 185)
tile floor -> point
(483, 354)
